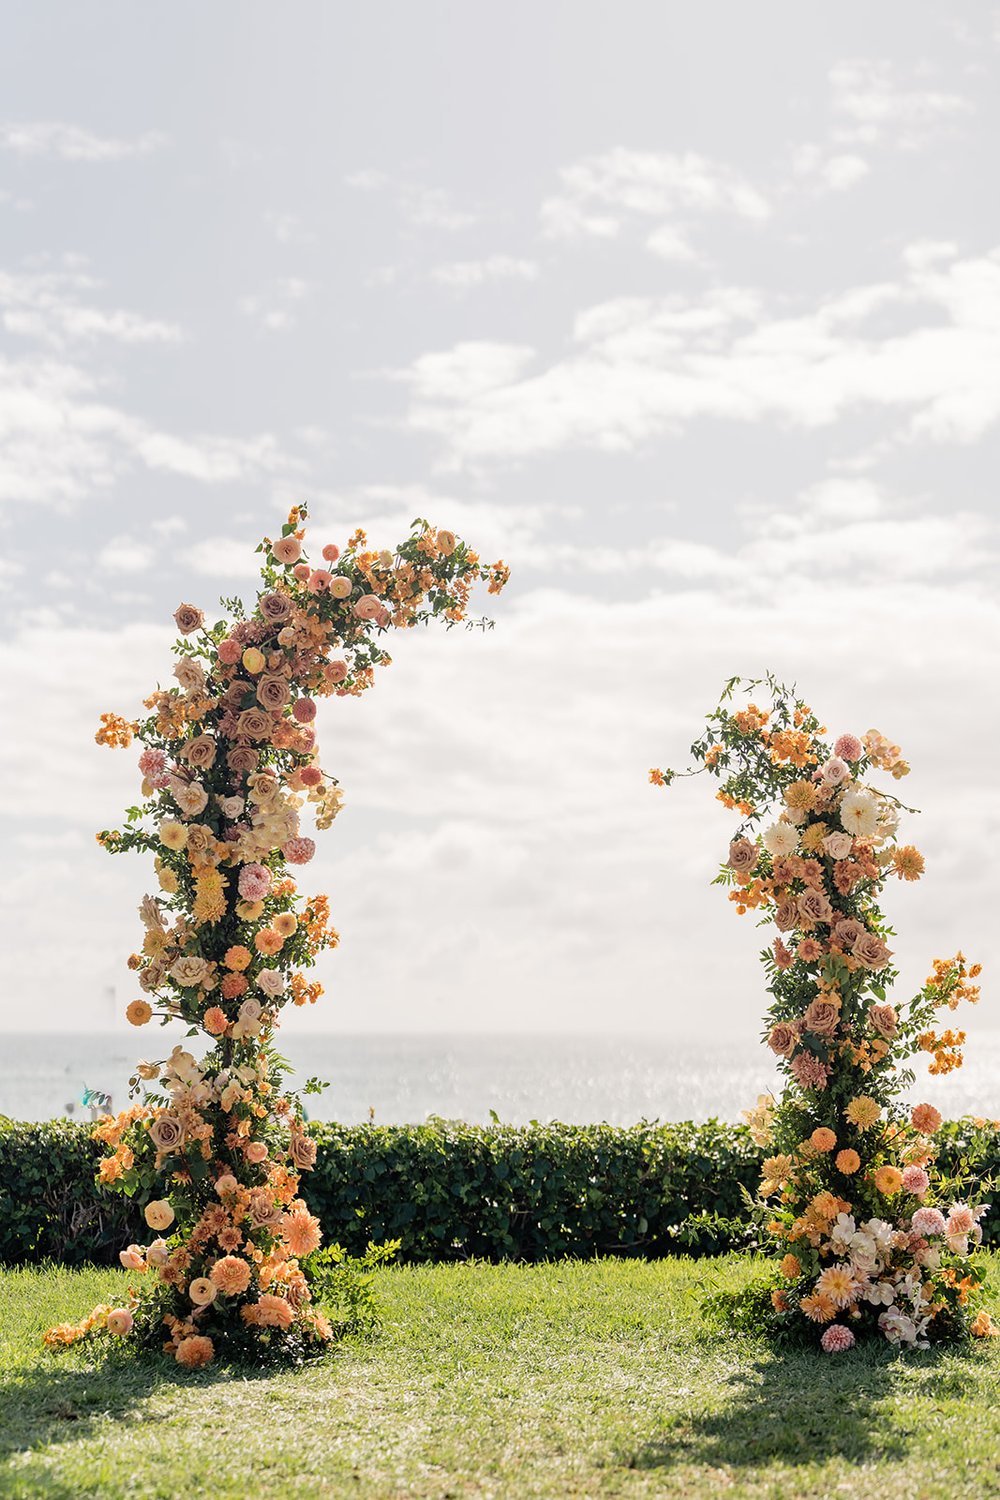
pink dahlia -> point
(928, 1221)
(298, 851)
(837, 1339)
(229, 652)
(848, 747)
(915, 1181)
(254, 882)
(153, 765)
(961, 1219)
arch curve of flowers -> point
(215, 1147)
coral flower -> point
(926, 1119)
(915, 1181)
(195, 1351)
(233, 985)
(237, 957)
(791, 1267)
(823, 1139)
(230, 1275)
(983, 1326)
(139, 1012)
(274, 1312)
(836, 1339)
(301, 1232)
(214, 1020)
(847, 1161)
(119, 1322)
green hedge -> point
(450, 1191)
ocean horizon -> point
(404, 1079)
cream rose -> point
(271, 982)
(190, 796)
(838, 845)
(190, 674)
(188, 971)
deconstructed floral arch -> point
(215, 1150)
(871, 1239)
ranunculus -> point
(340, 587)
(304, 710)
(743, 856)
(871, 951)
(188, 618)
(132, 1258)
(446, 541)
(226, 1184)
(119, 1322)
(367, 607)
(202, 1291)
(320, 580)
(335, 671)
(166, 1132)
(331, 552)
(189, 970)
(255, 1152)
(287, 550)
(158, 1214)
(782, 1039)
(157, 1254)
(201, 751)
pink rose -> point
(838, 845)
(836, 771)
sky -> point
(692, 314)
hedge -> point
(449, 1191)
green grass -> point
(566, 1380)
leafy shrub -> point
(450, 1191)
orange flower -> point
(657, 777)
(231, 1275)
(888, 1180)
(195, 1351)
(818, 1307)
(139, 1012)
(301, 1232)
(214, 1020)
(233, 985)
(238, 957)
(268, 942)
(982, 1326)
(115, 731)
(285, 923)
(823, 1139)
(791, 1266)
(908, 862)
(847, 1162)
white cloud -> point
(598, 194)
(426, 207)
(47, 307)
(646, 366)
(833, 170)
(125, 554)
(868, 96)
(669, 244)
(74, 143)
(273, 310)
(465, 274)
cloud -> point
(273, 310)
(465, 274)
(600, 194)
(835, 171)
(65, 142)
(924, 348)
(873, 105)
(124, 554)
(47, 307)
(501, 849)
(425, 207)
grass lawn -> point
(572, 1379)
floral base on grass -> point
(871, 1239)
(215, 1147)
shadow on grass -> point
(802, 1407)
(45, 1404)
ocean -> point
(404, 1079)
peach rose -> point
(188, 618)
(255, 1152)
(200, 752)
(787, 914)
(190, 674)
(302, 1150)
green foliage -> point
(343, 1286)
(446, 1191)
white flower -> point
(842, 1232)
(879, 1293)
(859, 813)
(781, 838)
(897, 1327)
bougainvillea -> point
(214, 1146)
(850, 1198)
